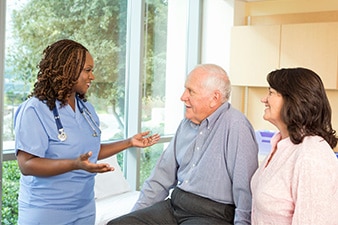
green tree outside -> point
(100, 25)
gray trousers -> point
(182, 208)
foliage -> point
(150, 155)
(155, 48)
(100, 25)
(149, 158)
(10, 189)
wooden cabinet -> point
(257, 50)
(254, 53)
(314, 46)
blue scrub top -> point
(36, 133)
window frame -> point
(2, 62)
(134, 64)
(135, 34)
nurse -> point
(58, 141)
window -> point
(140, 53)
(163, 76)
(155, 104)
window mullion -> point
(2, 63)
(134, 68)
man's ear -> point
(215, 99)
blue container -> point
(263, 138)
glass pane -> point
(153, 84)
(164, 73)
(100, 26)
(148, 159)
(10, 189)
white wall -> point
(176, 62)
(218, 18)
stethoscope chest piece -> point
(62, 135)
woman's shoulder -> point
(33, 102)
(315, 148)
(315, 142)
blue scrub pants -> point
(29, 215)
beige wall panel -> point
(314, 46)
(254, 53)
(311, 17)
(333, 98)
(237, 98)
(289, 6)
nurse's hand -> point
(142, 140)
(83, 163)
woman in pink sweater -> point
(298, 181)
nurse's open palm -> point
(142, 140)
(84, 164)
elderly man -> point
(208, 164)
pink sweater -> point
(298, 186)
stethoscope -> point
(62, 136)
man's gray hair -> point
(218, 80)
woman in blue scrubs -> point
(58, 141)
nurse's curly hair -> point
(306, 110)
(59, 70)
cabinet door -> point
(254, 53)
(314, 46)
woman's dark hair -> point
(59, 70)
(306, 110)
